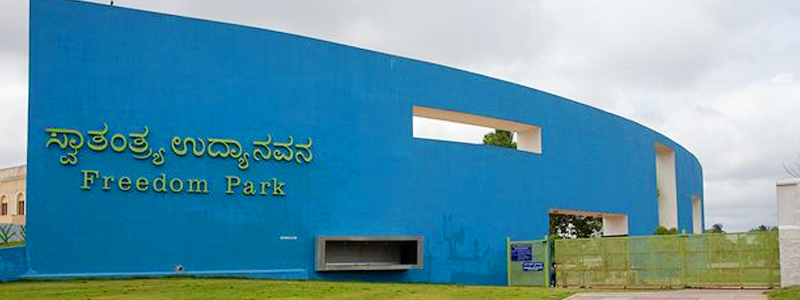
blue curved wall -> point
(92, 64)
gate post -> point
(547, 261)
(789, 230)
(682, 246)
(508, 260)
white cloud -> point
(741, 205)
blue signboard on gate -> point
(521, 252)
(532, 266)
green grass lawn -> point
(785, 294)
(198, 288)
(12, 244)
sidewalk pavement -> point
(687, 294)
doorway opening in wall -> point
(573, 224)
(570, 224)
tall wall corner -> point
(788, 192)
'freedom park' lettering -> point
(267, 150)
(164, 184)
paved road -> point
(687, 294)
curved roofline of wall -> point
(504, 81)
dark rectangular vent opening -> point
(363, 253)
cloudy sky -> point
(721, 78)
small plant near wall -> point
(6, 232)
(716, 228)
(661, 230)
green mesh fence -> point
(739, 259)
(527, 263)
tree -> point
(575, 226)
(716, 228)
(792, 170)
(500, 138)
(763, 228)
(6, 233)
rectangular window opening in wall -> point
(368, 253)
(697, 215)
(445, 125)
(666, 190)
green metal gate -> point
(528, 263)
(716, 260)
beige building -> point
(12, 195)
